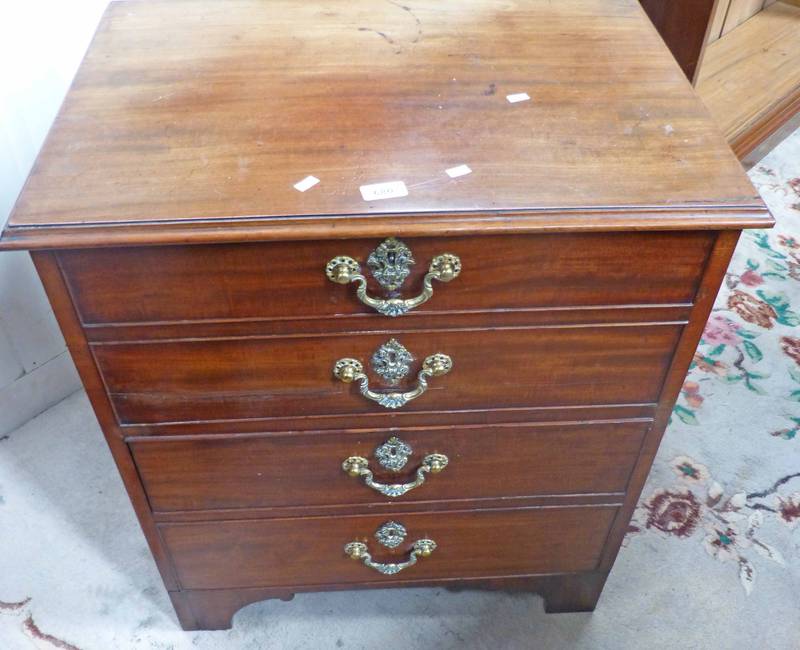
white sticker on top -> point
(380, 191)
(306, 184)
(455, 172)
(518, 97)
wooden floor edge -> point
(767, 125)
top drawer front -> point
(288, 280)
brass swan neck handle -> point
(358, 466)
(351, 370)
(359, 551)
(390, 264)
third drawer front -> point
(310, 551)
(306, 469)
(234, 379)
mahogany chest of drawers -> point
(448, 361)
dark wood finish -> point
(683, 24)
(214, 472)
(735, 216)
(207, 120)
(566, 593)
(210, 330)
(712, 280)
(577, 592)
(572, 592)
(213, 609)
(58, 295)
(399, 508)
(423, 321)
(236, 379)
(287, 280)
(471, 543)
(400, 420)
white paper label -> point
(380, 191)
(517, 97)
(455, 172)
(306, 184)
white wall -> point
(41, 44)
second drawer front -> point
(232, 379)
(310, 551)
(306, 469)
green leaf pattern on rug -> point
(748, 324)
(738, 411)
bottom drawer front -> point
(310, 551)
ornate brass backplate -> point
(392, 361)
(393, 454)
(391, 534)
(390, 263)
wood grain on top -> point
(193, 110)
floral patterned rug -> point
(727, 479)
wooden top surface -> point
(197, 111)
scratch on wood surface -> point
(384, 36)
(397, 47)
(411, 13)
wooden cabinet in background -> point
(743, 57)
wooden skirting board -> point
(750, 80)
